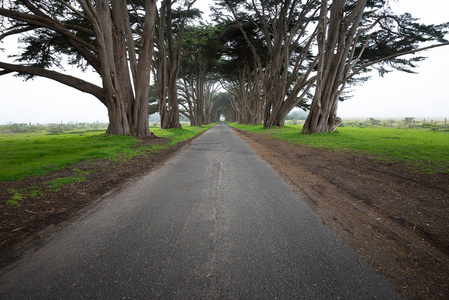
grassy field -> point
(40, 151)
(424, 150)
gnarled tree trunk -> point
(335, 40)
(128, 109)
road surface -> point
(214, 222)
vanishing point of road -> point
(215, 222)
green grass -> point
(55, 185)
(37, 153)
(19, 194)
(423, 150)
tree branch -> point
(42, 21)
(16, 31)
(390, 57)
(73, 9)
(4, 72)
(81, 29)
(71, 81)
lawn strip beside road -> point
(37, 153)
(422, 150)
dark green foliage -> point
(399, 34)
(44, 48)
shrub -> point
(374, 122)
(55, 128)
(18, 128)
(409, 121)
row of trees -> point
(315, 49)
(270, 56)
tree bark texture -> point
(335, 41)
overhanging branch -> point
(16, 31)
(40, 20)
(391, 57)
(4, 72)
(68, 80)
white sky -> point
(397, 95)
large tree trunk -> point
(334, 46)
(169, 59)
(199, 100)
(119, 122)
(173, 106)
(128, 109)
(322, 119)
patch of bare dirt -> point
(396, 220)
(22, 227)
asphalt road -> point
(214, 222)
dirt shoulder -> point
(23, 227)
(396, 220)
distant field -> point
(424, 150)
(39, 151)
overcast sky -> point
(397, 95)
